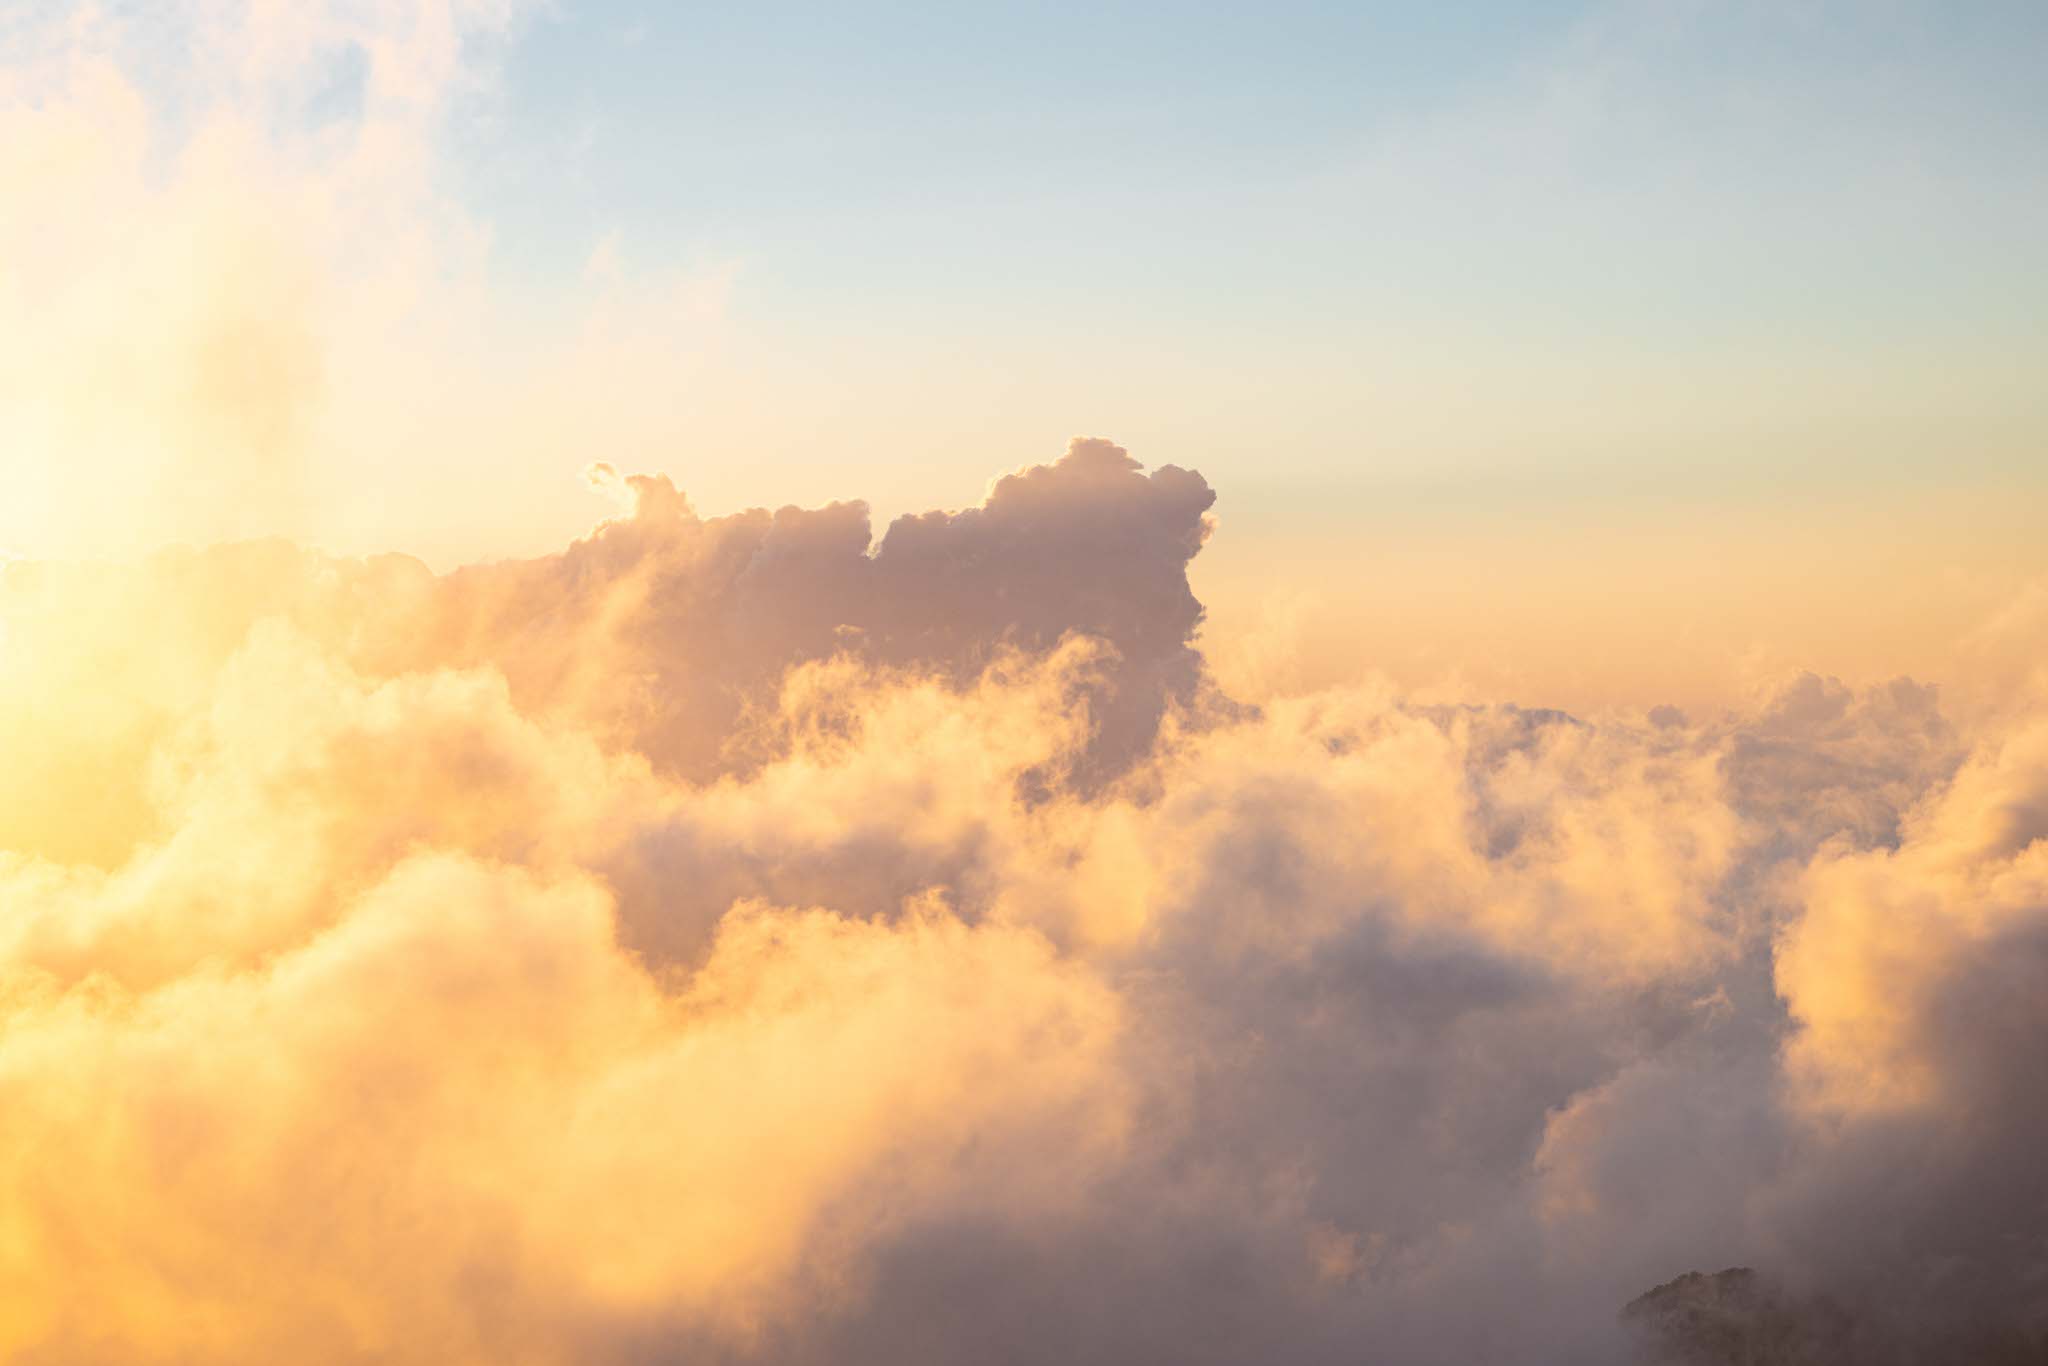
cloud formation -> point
(741, 939)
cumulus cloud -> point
(752, 938)
(1916, 975)
(743, 938)
(687, 620)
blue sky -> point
(1209, 165)
(1462, 201)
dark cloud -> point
(699, 618)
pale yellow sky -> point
(1541, 451)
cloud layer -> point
(729, 939)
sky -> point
(923, 684)
(1406, 283)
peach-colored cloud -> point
(735, 937)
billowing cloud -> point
(744, 939)
(769, 937)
